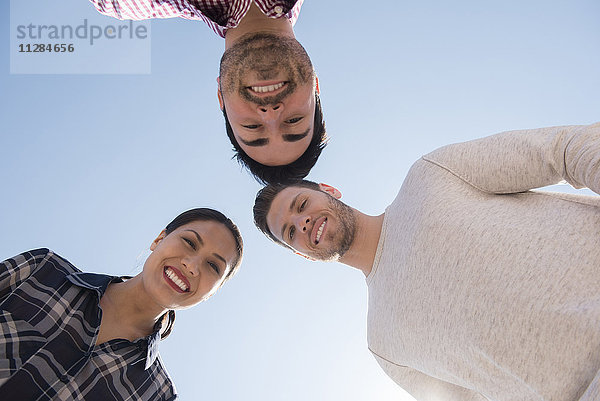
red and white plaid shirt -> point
(220, 15)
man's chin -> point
(334, 258)
(329, 256)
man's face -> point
(267, 86)
(312, 222)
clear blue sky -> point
(94, 166)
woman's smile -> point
(176, 279)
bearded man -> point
(267, 89)
(479, 288)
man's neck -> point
(361, 254)
(255, 21)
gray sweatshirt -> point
(484, 290)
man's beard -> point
(344, 235)
(264, 57)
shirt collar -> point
(93, 281)
(153, 340)
(98, 283)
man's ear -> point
(305, 256)
(317, 85)
(157, 240)
(219, 95)
(333, 191)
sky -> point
(102, 147)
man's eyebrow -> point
(285, 224)
(198, 237)
(295, 137)
(286, 137)
(255, 142)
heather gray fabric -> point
(482, 289)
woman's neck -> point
(128, 304)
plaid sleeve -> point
(294, 12)
(15, 270)
(126, 9)
(145, 9)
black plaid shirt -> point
(49, 321)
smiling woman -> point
(70, 335)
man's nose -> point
(302, 223)
(270, 112)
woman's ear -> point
(157, 240)
(317, 85)
(328, 189)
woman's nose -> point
(192, 265)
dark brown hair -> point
(296, 170)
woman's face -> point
(189, 264)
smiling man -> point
(479, 289)
(267, 89)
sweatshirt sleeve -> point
(426, 388)
(518, 161)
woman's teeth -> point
(267, 88)
(174, 278)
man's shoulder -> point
(425, 180)
(421, 171)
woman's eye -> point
(214, 267)
(294, 120)
(251, 126)
(291, 234)
(190, 243)
(302, 205)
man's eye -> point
(292, 231)
(251, 126)
(190, 243)
(214, 267)
(302, 205)
(294, 120)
